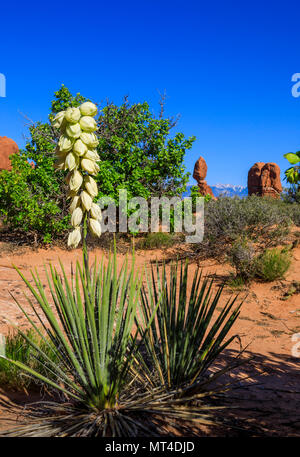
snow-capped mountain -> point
(228, 190)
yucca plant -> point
(101, 371)
(185, 337)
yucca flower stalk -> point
(76, 153)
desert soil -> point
(268, 401)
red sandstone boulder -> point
(200, 171)
(7, 148)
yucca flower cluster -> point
(76, 152)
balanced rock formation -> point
(7, 148)
(200, 171)
(264, 180)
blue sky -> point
(226, 67)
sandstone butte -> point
(264, 180)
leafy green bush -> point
(272, 264)
(137, 153)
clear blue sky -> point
(226, 67)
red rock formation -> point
(200, 171)
(264, 180)
(7, 147)
(270, 180)
(254, 174)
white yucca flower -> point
(73, 131)
(88, 124)
(80, 148)
(76, 152)
(76, 217)
(74, 238)
(96, 169)
(65, 144)
(75, 181)
(86, 200)
(89, 139)
(92, 154)
(58, 120)
(71, 162)
(88, 165)
(72, 115)
(96, 212)
(75, 203)
(91, 186)
(88, 109)
(95, 227)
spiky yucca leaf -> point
(186, 336)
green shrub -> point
(272, 264)
(241, 257)
(19, 349)
(157, 240)
(262, 220)
(236, 282)
(138, 153)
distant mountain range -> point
(228, 190)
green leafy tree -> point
(137, 154)
(292, 175)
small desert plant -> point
(236, 282)
(185, 336)
(157, 240)
(16, 347)
(272, 264)
(242, 258)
